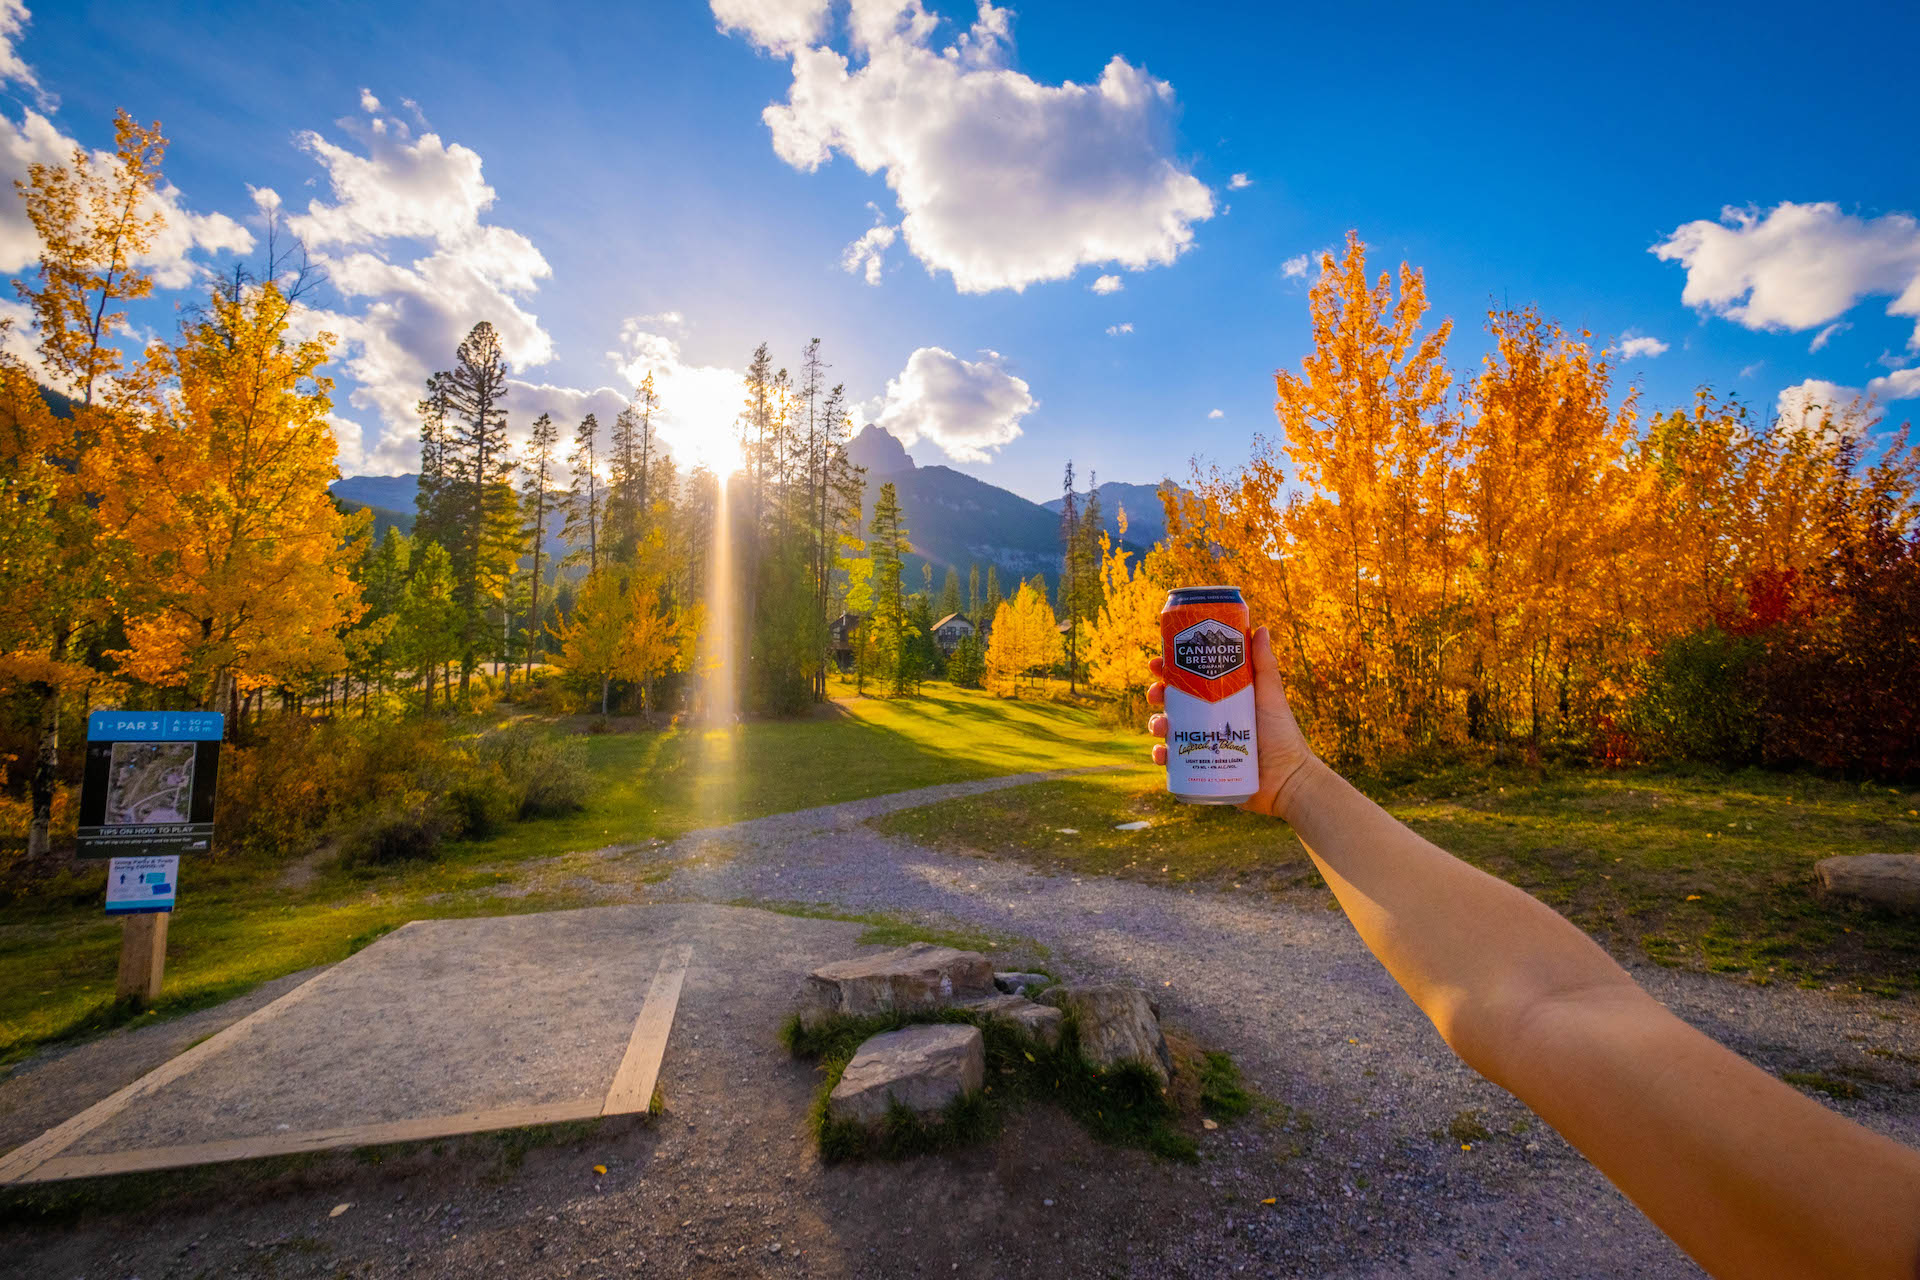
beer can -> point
(1212, 757)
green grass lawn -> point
(1698, 869)
(238, 924)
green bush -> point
(543, 773)
(389, 789)
(406, 826)
(1697, 700)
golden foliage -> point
(1025, 639)
(1500, 568)
(222, 497)
(1125, 633)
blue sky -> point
(604, 186)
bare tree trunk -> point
(506, 652)
(46, 763)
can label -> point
(1212, 757)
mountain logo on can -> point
(1209, 649)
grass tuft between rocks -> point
(1223, 1095)
(1124, 1106)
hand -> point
(1283, 748)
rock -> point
(1885, 879)
(908, 980)
(1037, 1020)
(1117, 1024)
(1021, 983)
(922, 1068)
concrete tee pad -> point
(522, 1019)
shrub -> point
(544, 773)
(1839, 688)
(480, 802)
(1697, 701)
(399, 827)
(1127, 709)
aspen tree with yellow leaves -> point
(1549, 498)
(1530, 564)
(1357, 568)
(222, 496)
(1125, 633)
(94, 220)
(1025, 641)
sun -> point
(713, 445)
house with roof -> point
(948, 632)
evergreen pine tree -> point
(538, 497)
(584, 497)
(470, 508)
(630, 460)
(887, 629)
(950, 594)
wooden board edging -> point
(19, 1164)
(639, 1072)
(147, 1159)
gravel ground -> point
(1364, 1176)
(1316, 1023)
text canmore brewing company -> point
(1211, 754)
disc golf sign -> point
(148, 790)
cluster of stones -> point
(925, 1067)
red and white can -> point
(1212, 757)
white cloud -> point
(869, 252)
(967, 407)
(1749, 370)
(1633, 346)
(1215, 413)
(1815, 402)
(1901, 384)
(1002, 181)
(35, 140)
(1828, 334)
(1797, 266)
(1295, 268)
(776, 25)
(401, 188)
(403, 245)
(1239, 182)
(14, 16)
(170, 258)
(1115, 330)
(369, 103)
(1107, 284)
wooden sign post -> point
(143, 955)
(147, 799)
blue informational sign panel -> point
(149, 784)
(141, 884)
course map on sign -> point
(150, 782)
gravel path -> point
(1382, 1188)
(1364, 1159)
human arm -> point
(1747, 1175)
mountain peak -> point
(876, 449)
